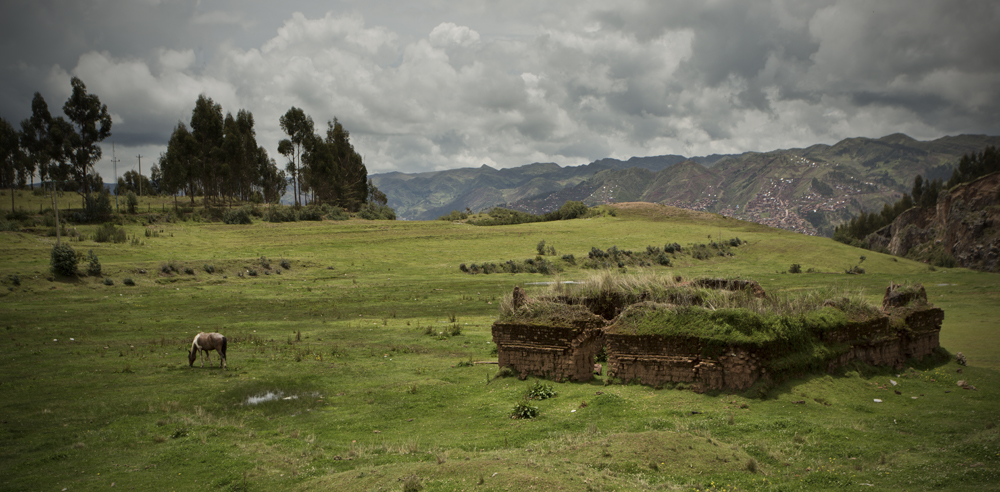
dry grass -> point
(649, 286)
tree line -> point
(62, 150)
(924, 194)
(212, 155)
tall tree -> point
(299, 128)
(50, 143)
(207, 128)
(92, 125)
(11, 157)
(179, 164)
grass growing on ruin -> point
(373, 388)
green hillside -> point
(368, 341)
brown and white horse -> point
(203, 342)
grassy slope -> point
(378, 399)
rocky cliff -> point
(961, 230)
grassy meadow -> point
(367, 343)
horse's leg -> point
(209, 355)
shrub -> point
(16, 280)
(108, 233)
(17, 215)
(97, 207)
(279, 213)
(540, 391)
(209, 268)
(569, 259)
(454, 215)
(372, 211)
(9, 225)
(796, 268)
(108, 281)
(237, 216)
(540, 247)
(129, 282)
(572, 210)
(189, 270)
(287, 265)
(93, 264)
(64, 260)
(336, 213)
(131, 201)
(311, 213)
(522, 410)
(412, 484)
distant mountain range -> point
(807, 190)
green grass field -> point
(366, 341)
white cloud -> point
(447, 33)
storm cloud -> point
(457, 84)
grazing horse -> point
(203, 342)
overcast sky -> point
(430, 85)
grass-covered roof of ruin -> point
(653, 304)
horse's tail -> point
(223, 349)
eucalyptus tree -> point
(179, 164)
(299, 129)
(91, 124)
(11, 158)
(334, 171)
(49, 142)
(207, 129)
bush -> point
(108, 281)
(540, 391)
(572, 210)
(237, 216)
(9, 225)
(131, 201)
(287, 265)
(372, 211)
(209, 268)
(93, 264)
(336, 213)
(64, 260)
(189, 270)
(311, 213)
(540, 247)
(97, 207)
(17, 215)
(796, 268)
(129, 282)
(522, 410)
(454, 215)
(108, 233)
(278, 213)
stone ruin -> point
(565, 349)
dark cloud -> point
(447, 84)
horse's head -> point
(192, 355)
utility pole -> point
(140, 174)
(115, 162)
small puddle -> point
(274, 395)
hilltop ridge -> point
(807, 190)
